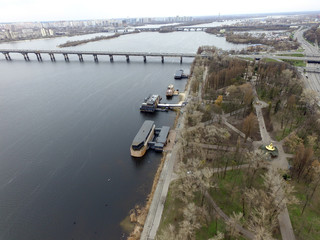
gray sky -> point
(44, 10)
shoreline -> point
(137, 217)
(162, 180)
(152, 211)
(47, 38)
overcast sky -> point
(45, 10)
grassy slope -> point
(306, 226)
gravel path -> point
(280, 162)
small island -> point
(95, 39)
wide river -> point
(66, 129)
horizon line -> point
(194, 16)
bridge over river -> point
(25, 53)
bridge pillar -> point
(66, 58)
(144, 59)
(95, 57)
(162, 59)
(53, 59)
(7, 56)
(128, 59)
(180, 59)
(39, 57)
(80, 57)
(111, 58)
(26, 57)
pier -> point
(95, 54)
(171, 105)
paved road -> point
(309, 48)
(275, 56)
(312, 79)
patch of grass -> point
(247, 58)
(207, 232)
(214, 226)
(306, 226)
(230, 107)
(228, 194)
(296, 63)
(283, 133)
(171, 213)
(292, 55)
(269, 60)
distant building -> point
(8, 34)
(51, 32)
(43, 32)
(46, 32)
(3, 35)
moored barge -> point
(150, 104)
(139, 144)
(179, 74)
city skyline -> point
(37, 10)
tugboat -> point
(139, 144)
(150, 104)
(170, 91)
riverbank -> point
(137, 219)
(48, 37)
(144, 218)
(99, 38)
(148, 218)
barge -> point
(179, 74)
(140, 142)
(150, 104)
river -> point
(66, 129)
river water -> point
(66, 129)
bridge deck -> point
(150, 54)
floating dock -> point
(171, 105)
(149, 137)
(160, 139)
(152, 104)
(179, 74)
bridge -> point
(171, 28)
(312, 69)
(25, 53)
(309, 58)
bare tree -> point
(232, 224)
(265, 205)
(168, 233)
(190, 223)
(250, 125)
